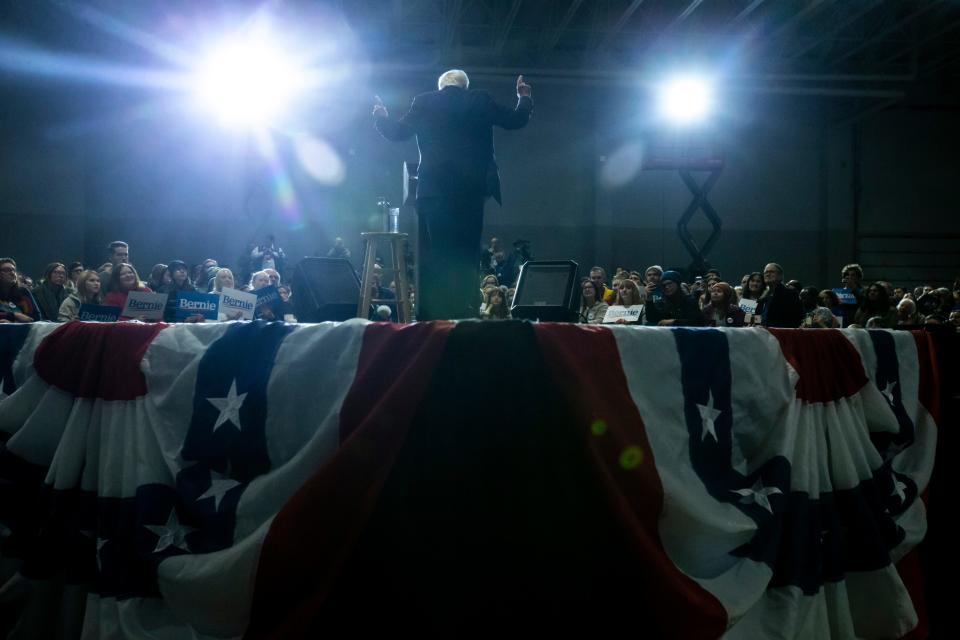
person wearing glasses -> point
(74, 269)
(51, 292)
(16, 303)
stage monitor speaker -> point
(546, 290)
(325, 289)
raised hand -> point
(523, 89)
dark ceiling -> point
(870, 53)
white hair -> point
(453, 78)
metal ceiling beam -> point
(797, 18)
(753, 6)
(501, 40)
(916, 45)
(867, 8)
(685, 13)
(554, 37)
(899, 25)
(619, 24)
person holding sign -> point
(722, 310)
(675, 308)
(179, 282)
(88, 292)
(123, 280)
(592, 306)
(753, 290)
(627, 307)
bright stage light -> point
(248, 83)
(685, 100)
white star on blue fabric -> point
(219, 486)
(172, 534)
(888, 392)
(898, 490)
(229, 407)
(708, 414)
(758, 494)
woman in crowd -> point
(51, 292)
(16, 302)
(907, 313)
(592, 306)
(123, 280)
(722, 310)
(755, 287)
(876, 304)
(223, 280)
(158, 277)
(628, 295)
(494, 305)
(755, 290)
(179, 281)
(88, 292)
(828, 298)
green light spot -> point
(598, 427)
(631, 458)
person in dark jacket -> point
(179, 281)
(675, 308)
(16, 302)
(722, 310)
(458, 170)
(779, 306)
(51, 292)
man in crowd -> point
(599, 277)
(119, 253)
(850, 278)
(653, 274)
(783, 307)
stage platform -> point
(270, 480)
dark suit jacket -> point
(783, 308)
(454, 129)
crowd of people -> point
(64, 288)
(658, 297)
(652, 297)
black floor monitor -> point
(546, 291)
(325, 289)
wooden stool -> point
(399, 268)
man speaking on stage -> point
(458, 171)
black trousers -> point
(448, 257)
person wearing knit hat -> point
(674, 308)
(179, 281)
(722, 310)
(652, 279)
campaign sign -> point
(748, 306)
(190, 303)
(237, 305)
(268, 298)
(846, 295)
(619, 312)
(98, 313)
(141, 304)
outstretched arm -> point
(519, 116)
(395, 130)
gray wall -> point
(571, 182)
